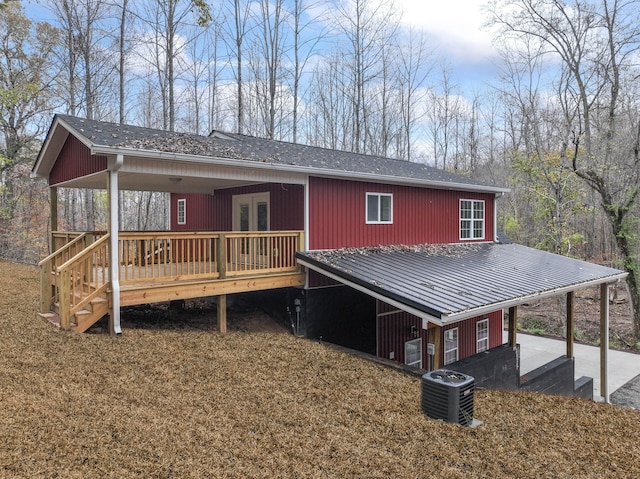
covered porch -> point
(234, 249)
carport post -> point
(604, 341)
(570, 324)
(513, 325)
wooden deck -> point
(162, 266)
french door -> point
(252, 213)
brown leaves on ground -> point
(160, 403)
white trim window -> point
(182, 211)
(379, 208)
(413, 353)
(451, 346)
(482, 335)
(471, 219)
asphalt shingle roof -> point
(243, 147)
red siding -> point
(420, 215)
(467, 343)
(75, 161)
(214, 212)
(198, 212)
(394, 328)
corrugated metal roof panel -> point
(452, 282)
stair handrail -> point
(88, 250)
(67, 246)
(67, 293)
(49, 287)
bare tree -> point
(597, 44)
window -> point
(482, 335)
(379, 208)
(451, 346)
(413, 353)
(182, 212)
(471, 219)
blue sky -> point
(456, 29)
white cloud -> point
(456, 26)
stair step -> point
(53, 318)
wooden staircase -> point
(84, 318)
(75, 284)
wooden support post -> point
(221, 256)
(570, 323)
(437, 343)
(45, 287)
(53, 204)
(222, 313)
(513, 326)
(604, 341)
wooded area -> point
(561, 127)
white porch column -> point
(114, 263)
(604, 341)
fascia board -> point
(479, 311)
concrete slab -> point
(536, 351)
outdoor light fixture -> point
(175, 181)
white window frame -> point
(472, 224)
(181, 213)
(482, 343)
(410, 344)
(448, 358)
(378, 221)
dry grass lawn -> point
(162, 403)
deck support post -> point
(513, 326)
(114, 261)
(53, 205)
(222, 313)
(604, 341)
(570, 323)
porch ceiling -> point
(170, 183)
(449, 283)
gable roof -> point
(231, 149)
(448, 283)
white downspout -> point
(114, 266)
(495, 217)
(306, 214)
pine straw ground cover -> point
(161, 403)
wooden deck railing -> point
(177, 256)
(78, 271)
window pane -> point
(465, 209)
(244, 217)
(263, 217)
(478, 229)
(478, 210)
(182, 211)
(372, 207)
(385, 208)
(465, 229)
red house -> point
(390, 257)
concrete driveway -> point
(536, 351)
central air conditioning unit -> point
(448, 395)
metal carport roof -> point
(449, 283)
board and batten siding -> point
(420, 215)
(75, 161)
(395, 327)
(214, 212)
